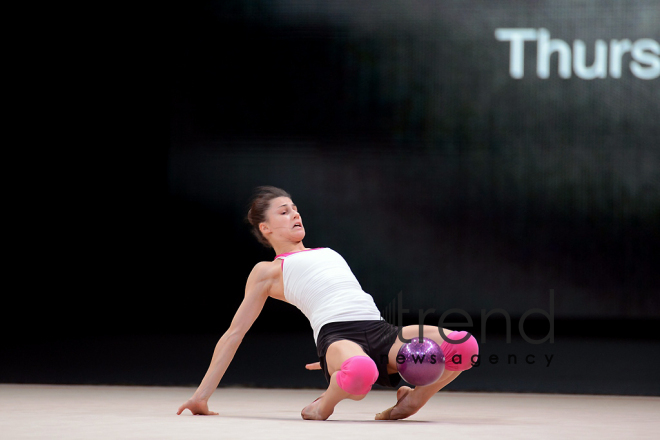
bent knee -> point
(357, 375)
(460, 356)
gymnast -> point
(355, 345)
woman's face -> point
(283, 221)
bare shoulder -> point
(265, 270)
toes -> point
(385, 415)
(401, 394)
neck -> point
(284, 248)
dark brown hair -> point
(258, 207)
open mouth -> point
(297, 225)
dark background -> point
(407, 147)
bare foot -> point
(312, 411)
(402, 409)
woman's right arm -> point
(256, 292)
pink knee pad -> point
(357, 374)
(460, 357)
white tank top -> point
(320, 283)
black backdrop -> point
(401, 135)
(409, 147)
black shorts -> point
(375, 337)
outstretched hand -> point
(197, 407)
(313, 366)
